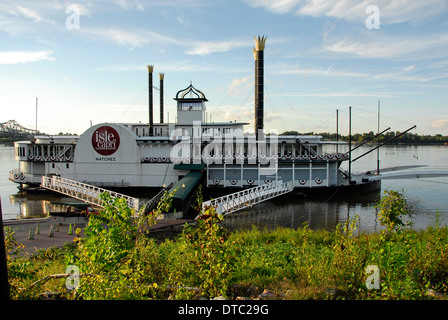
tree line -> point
(407, 138)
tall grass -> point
(295, 264)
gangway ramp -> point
(152, 203)
(411, 174)
(84, 192)
(246, 198)
(185, 189)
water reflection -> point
(426, 196)
(293, 213)
(39, 205)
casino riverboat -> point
(154, 155)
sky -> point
(86, 61)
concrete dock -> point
(43, 241)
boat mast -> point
(36, 115)
(350, 144)
(259, 86)
(161, 78)
(150, 100)
(337, 130)
(378, 143)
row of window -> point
(67, 165)
(20, 152)
(238, 149)
(188, 106)
(45, 150)
(216, 130)
(143, 132)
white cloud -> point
(242, 113)
(129, 4)
(392, 11)
(331, 71)
(14, 57)
(280, 6)
(206, 47)
(176, 66)
(29, 14)
(382, 46)
(240, 85)
(439, 124)
(344, 94)
(183, 22)
(33, 14)
(133, 38)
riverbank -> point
(284, 264)
(60, 236)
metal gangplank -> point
(152, 203)
(249, 197)
(84, 192)
(407, 172)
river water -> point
(426, 196)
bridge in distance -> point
(11, 129)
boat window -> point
(189, 106)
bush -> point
(118, 260)
(211, 259)
(393, 212)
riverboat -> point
(153, 155)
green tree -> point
(109, 255)
(393, 211)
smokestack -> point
(259, 81)
(161, 76)
(150, 100)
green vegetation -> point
(407, 138)
(117, 259)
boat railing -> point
(249, 197)
(247, 159)
(84, 192)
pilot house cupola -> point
(190, 105)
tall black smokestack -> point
(161, 76)
(150, 100)
(259, 81)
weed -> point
(119, 261)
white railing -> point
(83, 191)
(249, 197)
(411, 174)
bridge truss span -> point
(12, 129)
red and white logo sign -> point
(105, 140)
